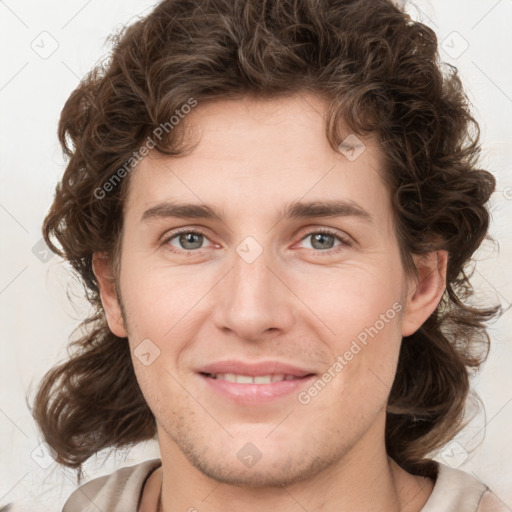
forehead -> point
(257, 154)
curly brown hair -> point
(380, 72)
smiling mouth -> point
(249, 379)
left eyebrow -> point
(294, 210)
(333, 208)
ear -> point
(103, 272)
(425, 292)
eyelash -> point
(345, 242)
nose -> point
(254, 300)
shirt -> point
(121, 491)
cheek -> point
(164, 307)
(158, 299)
(360, 311)
(350, 298)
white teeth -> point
(247, 379)
(262, 379)
(244, 379)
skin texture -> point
(299, 303)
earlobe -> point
(426, 292)
(103, 272)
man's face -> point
(259, 287)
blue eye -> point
(189, 241)
(322, 241)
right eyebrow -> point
(181, 210)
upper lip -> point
(254, 369)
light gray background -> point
(46, 47)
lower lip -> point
(255, 394)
